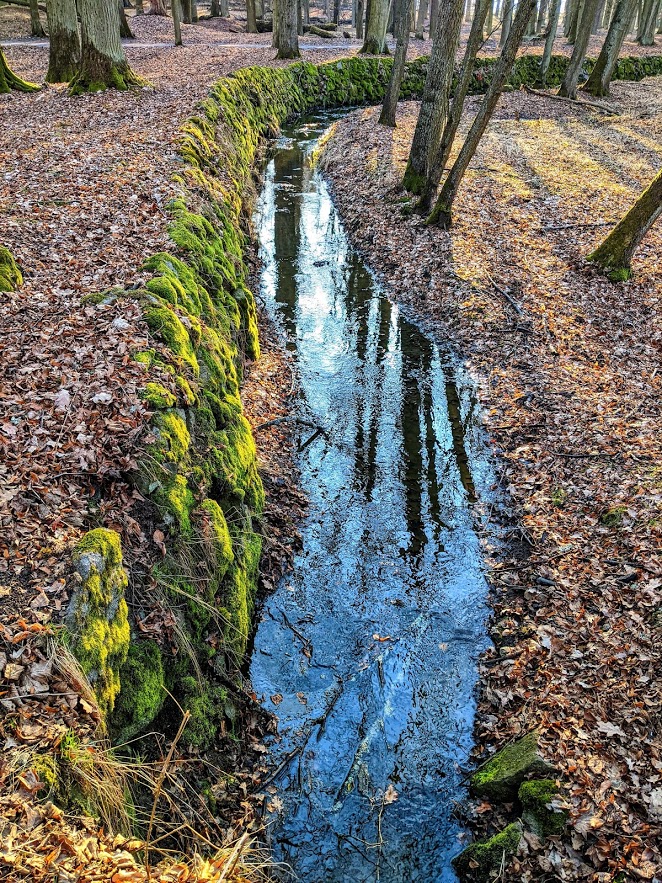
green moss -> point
(499, 779)
(613, 517)
(168, 326)
(142, 694)
(10, 275)
(483, 861)
(216, 533)
(538, 811)
(174, 439)
(207, 704)
(158, 397)
(559, 497)
(45, 767)
(97, 618)
(175, 500)
(622, 274)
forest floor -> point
(569, 374)
(83, 194)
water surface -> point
(367, 651)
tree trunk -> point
(542, 16)
(64, 45)
(442, 212)
(360, 16)
(36, 29)
(434, 12)
(140, 9)
(552, 30)
(648, 23)
(251, 19)
(156, 7)
(420, 19)
(576, 14)
(186, 11)
(531, 24)
(568, 87)
(434, 106)
(450, 130)
(194, 11)
(402, 19)
(600, 77)
(506, 22)
(286, 30)
(103, 62)
(336, 11)
(125, 30)
(177, 21)
(489, 21)
(599, 12)
(615, 254)
(375, 35)
(9, 80)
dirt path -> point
(571, 391)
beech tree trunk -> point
(442, 212)
(434, 106)
(575, 16)
(64, 45)
(420, 19)
(140, 9)
(402, 19)
(450, 130)
(600, 77)
(125, 30)
(614, 255)
(360, 16)
(568, 87)
(177, 21)
(434, 12)
(285, 28)
(9, 80)
(648, 22)
(552, 30)
(251, 19)
(103, 62)
(35, 22)
(157, 7)
(214, 9)
(506, 22)
(375, 35)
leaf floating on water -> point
(390, 795)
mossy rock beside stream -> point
(500, 778)
(483, 861)
(539, 810)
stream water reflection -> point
(371, 642)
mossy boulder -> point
(483, 861)
(143, 691)
(10, 275)
(97, 618)
(500, 778)
(540, 810)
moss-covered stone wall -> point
(198, 469)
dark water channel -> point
(367, 651)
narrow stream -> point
(367, 651)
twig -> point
(504, 294)
(290, 418)
(605, 108)
(281, 766)
(577, 224)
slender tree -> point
(550, 36)
(125, 30)
(648, 22)
(568, 87)
(614, 255)
(360, 17)
(434, 12)
(600, 77)
(441, 156)
(9, 81)
(157, 7)
(64, 44)
(402, 20)
(573, 15)
(420, 19)
(434, 106)
(177, 21)
(251, 20)
(103, 63)
(506, 22)
(285, 29)
(441, 214)
(36, 28)
(375, 32)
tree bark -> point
(214, 9)
(360, 16)
(434, 12)
(489, 20)
(402, 19)
(614, 255)
(140, 9)
(420, 19)
(103, 62)
(194, 11)
(9, 81)
(442, 212)
(157, 7)
(186, 11)
(36, 29)
(375, 35)
(251, 19)
(434, 106)
(336, 11)
(125, 30)
(287, 43)
(450, 130)
(506, 22)
(600, 77)
(575, 17)
(648, 23)
(177, 21)
(552, 30)
(64, 45)
(568, 87)
(542, 16)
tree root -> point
(605, 108)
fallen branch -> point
(605, 108)
(578, 224)
(320, 32)
(507, 297)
